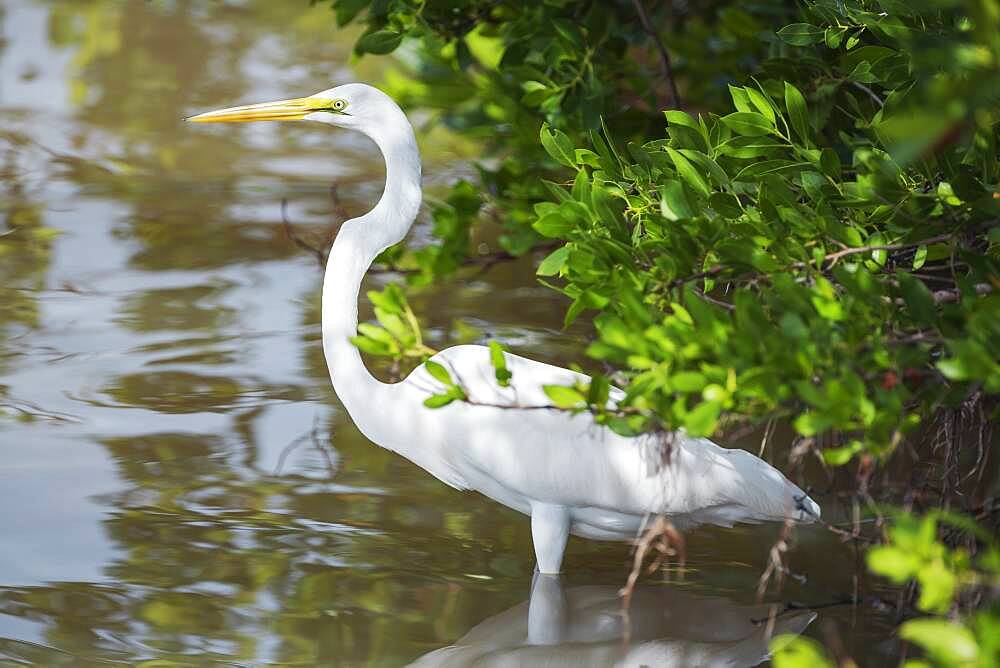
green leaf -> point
(438, 372)
(439, 400)
(811, 423)
(740, 98)
(725, 204)
(379, 42)
(584, 156)
(675, 117)
(563, 396)
(391, 299)
(703, 418)
(373, 347)
(937, 587)
(557, 145)
(761, 103)
(801, 34)
(499, 362)
(553, 225)
(748, 123)
(829, 162)
(893, 563)
(687, 172)
(597, 393)
(581, 187)
(687, 381)
(833, 36)
(554, 262)
(347, 10)
(791, 651)
(375, 333)
(918, 299)
(752, 147)
(673, 202)
(948, 643)
(842, 455)
(707, 165)
(796, 105)
(953, 369)
(758, 170)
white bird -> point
(585, 626)
(569, 474)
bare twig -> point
(666, 540)
(338, 206)
(776, 566)
(668, 70)
(948, 296)
(313, 436)
(768, 432)
(868, 91)
(712, 300)
(831, 260)
(297, 240)
(34, 412)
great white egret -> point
(568, 473)
(584, 626)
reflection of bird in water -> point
(568, 473)
(583, 626)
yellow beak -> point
(281, 110)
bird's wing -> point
(506, 443)
(471, 367)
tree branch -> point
(668, 70)
(832, 258)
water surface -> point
(178, 481)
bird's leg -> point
(549, 531)
(546, 610)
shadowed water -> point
(178, 481)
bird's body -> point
(568, 473)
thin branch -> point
(313, 436)
(776, 566)
(668, 70)
(667, 540)
(948, 296)
(845, 535)
(865, 89)
(290, 234)
(832, 258)
(712, 300)
(768, 432)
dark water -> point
(177, 480)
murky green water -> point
(177, 480)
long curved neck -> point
(358, 243)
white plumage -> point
(584, 626)
(565, 471)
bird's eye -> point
(339, 105)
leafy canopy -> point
(821, 246)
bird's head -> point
(356, 106)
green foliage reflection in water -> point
(213, 555)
